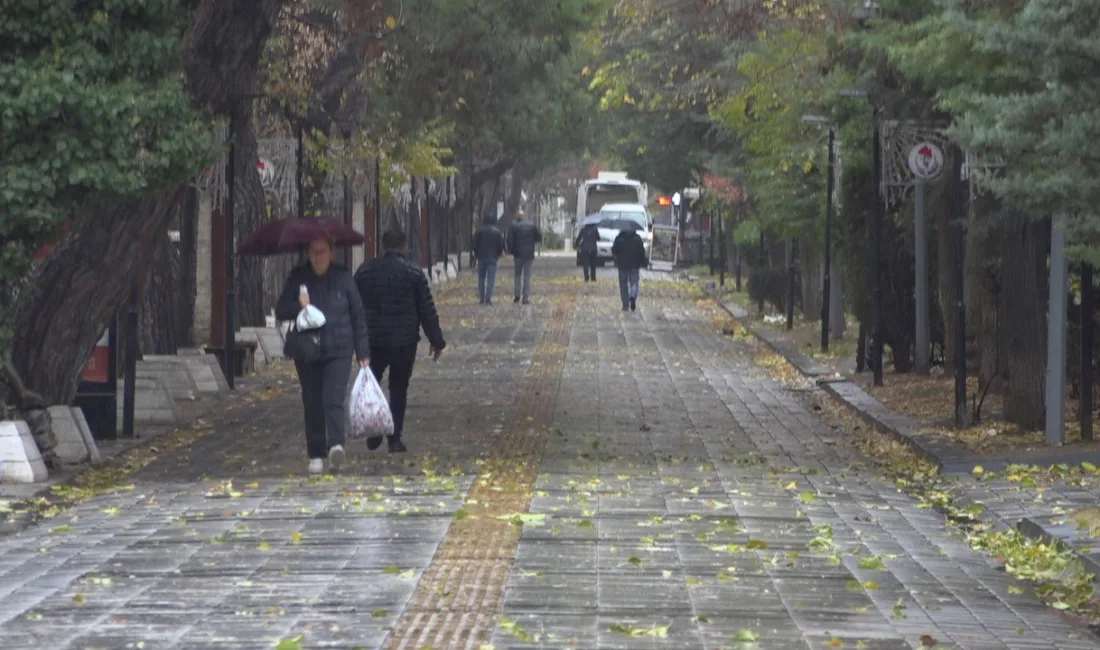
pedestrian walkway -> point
(579, 477)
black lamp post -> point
(827, 284)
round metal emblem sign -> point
(926, 161)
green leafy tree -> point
(984, 67)
(93, 110)
(143, 65)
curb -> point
(950, 458)
(68, 477)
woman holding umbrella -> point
(323, 369)
(586, 243)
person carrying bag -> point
(329, 325)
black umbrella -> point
(592, 220)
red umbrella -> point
(294, 235)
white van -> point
(615, 217)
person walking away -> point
(523, 236)
(398, 303)
(630, 257)
(330, 288)
(488, 247)
(586, 244)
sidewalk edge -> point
(950, 458)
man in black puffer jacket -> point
(398, 302)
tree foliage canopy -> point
(92, 109)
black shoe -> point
(526, 302)
(488, 302)
(633, 304)
(515, 300)
(396, 446)
(374, 442)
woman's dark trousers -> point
(324, 388)
(589, 262)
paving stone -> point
(650, 437)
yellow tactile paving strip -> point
(459, 597)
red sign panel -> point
(98, 369)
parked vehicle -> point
(614, 218)
(608, 187)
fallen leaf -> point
(290, 644)
(745, 637)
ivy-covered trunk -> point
(86, 282)
(82, 287)
(1023, 318)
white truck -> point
(615, 196)
(608, 187)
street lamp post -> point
(876, 292)
(827, 284)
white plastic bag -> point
(309, 318)
(370, 413)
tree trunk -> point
(250, 208)
(1024, 319)
(160, 306)
(982, 270)
(515, 192)
(813, 270)
(85, 283)
(490, 203)
(80, 289)
(837, 321)
(222, 56)
(946, 255)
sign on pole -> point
(925, 161)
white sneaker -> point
(316, 466)
(336, 458)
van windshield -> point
(600, 194)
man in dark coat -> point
(488, 247)
(586, 244)
(398, 302)
(522, 239)
(630, 257)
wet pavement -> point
(579, 477)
